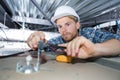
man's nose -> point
(63, 29)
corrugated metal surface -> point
(87, 9)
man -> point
(83, 43)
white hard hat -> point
(64, 11)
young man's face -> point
(68, 28)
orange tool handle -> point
(64, 58)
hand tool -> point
(60, 54)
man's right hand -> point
(34, 38)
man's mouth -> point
(66, 34)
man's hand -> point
(34, 38)
(80, 47)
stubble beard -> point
(68, 37)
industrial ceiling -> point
(36, 14)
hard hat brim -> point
(53, 19)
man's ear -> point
(78, 25)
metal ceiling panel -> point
(98, 10)
(86, 9)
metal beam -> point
(31, 20)
(35, 3)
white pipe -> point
(22, 35)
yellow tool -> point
(63, 58)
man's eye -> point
(59, 26)
(67, 24)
